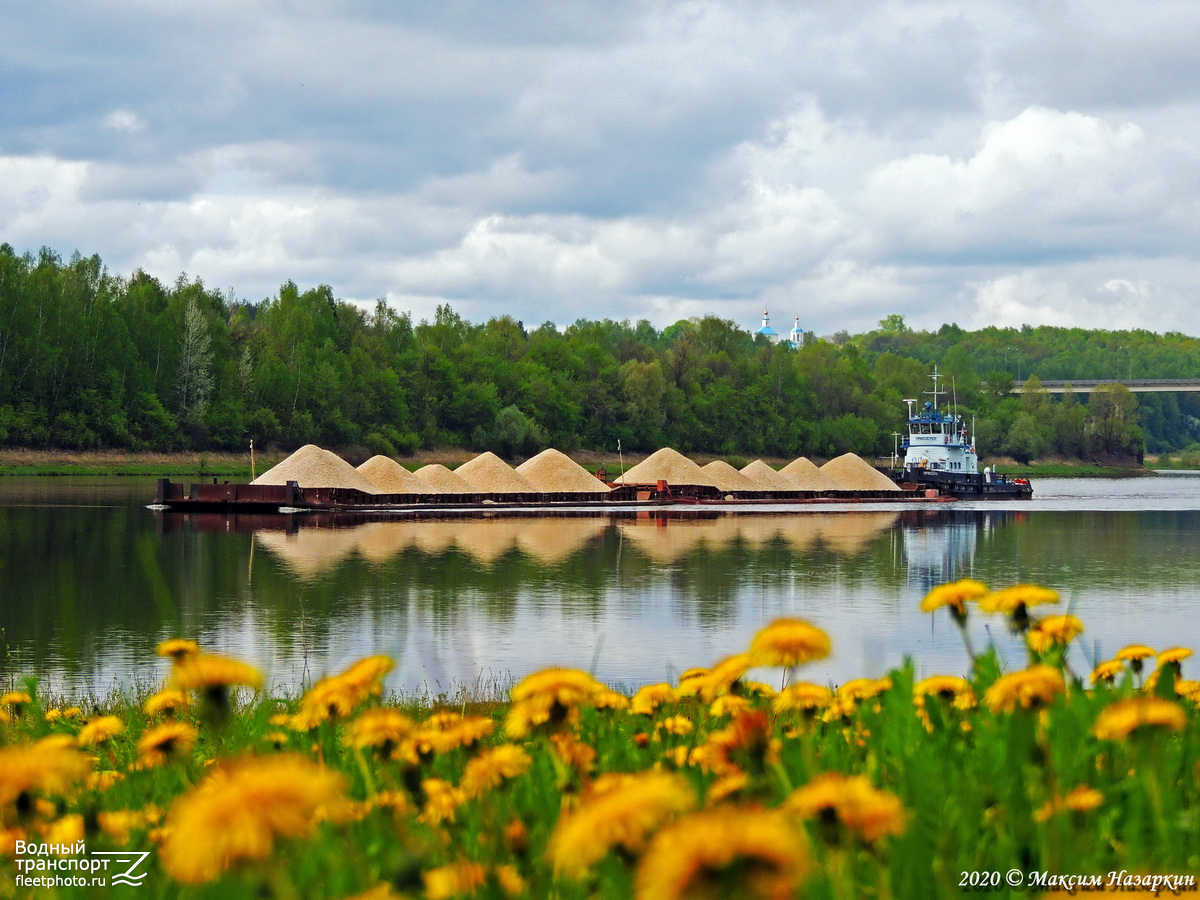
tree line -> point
(90, 360)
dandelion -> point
(162, 742)
(789, 643)
(238, 812)
(461, 878)
(1016, 601)
(1174, 655)
(168, 701)
(441, 800)
(1107, 671)
(621, 813)
(99, 730)
(747, 742)
(851, 802)
(1118, 720)
(491, 767)
(802, 696)
(651, 697)
(727, 705)
(447, 731)
(1053, 631)
(120, 824)
(213, 676)
(748, 853)
(14, 702)
(45, 767)
(955, 597)
(677, 725)
(1079, 799)
(178, 649)
(337, 696)
(1029, 688)
(718, 680)
(1135, 654)
(551, 697)
(379, 729)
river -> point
(91, 580)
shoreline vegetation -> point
(118, 463)
(716, 784)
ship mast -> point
(934, 393)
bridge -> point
(1135, 385)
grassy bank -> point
(717, 785)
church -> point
(795, 338)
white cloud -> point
(124, 120)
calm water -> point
(90, 581)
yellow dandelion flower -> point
(717, 680)
(14, 700)
(162, 742)
(64, 832)
(651, 697)
(458, 879)
(1053, 631)
(383, 729)
(99, 730)
(748, 742)
(337, 696)
(1015, 599)
(72, 712)
(789, 642)
(622, 816)
(551, 697)
(727, 705)
(167, 701)
(52, 715)
(677, 725)
(491, 767)
(178, 649)
(213, 674)
(1188, 689)
(1079, 799)
(120, 824)
(442, 799)
(851, 801)
(1107, 671)
(445, 732)
(576, 754)
(946, 687)
(102, 781)
(1029, 688)
(1135, 655)
(1118, 720)
(1174, 655)
(801, 696)
(955, 596)
(45, 767)
(695, 856)
(689, 674)
(238, 811)
(725, 787)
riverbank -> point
(238, 466)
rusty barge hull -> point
(269, 498)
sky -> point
(969, 161)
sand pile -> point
(727, 478)
(553, 472)
(666, 465)
(489, 474)
(438, 476)
(312, 467)
(808, 477)
(392, 478)
(767, 478)
(856, 474)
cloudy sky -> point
(1024, 161)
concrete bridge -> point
(1135, 385)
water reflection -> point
(90, 582)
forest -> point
(89, 359)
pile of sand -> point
(312, 467)
(489, 474)
(553, 472)
(392, 478)
(856, 474)
(727, 478)
(767, 478)
(806, 476)
(666, 465)
(438, 476)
